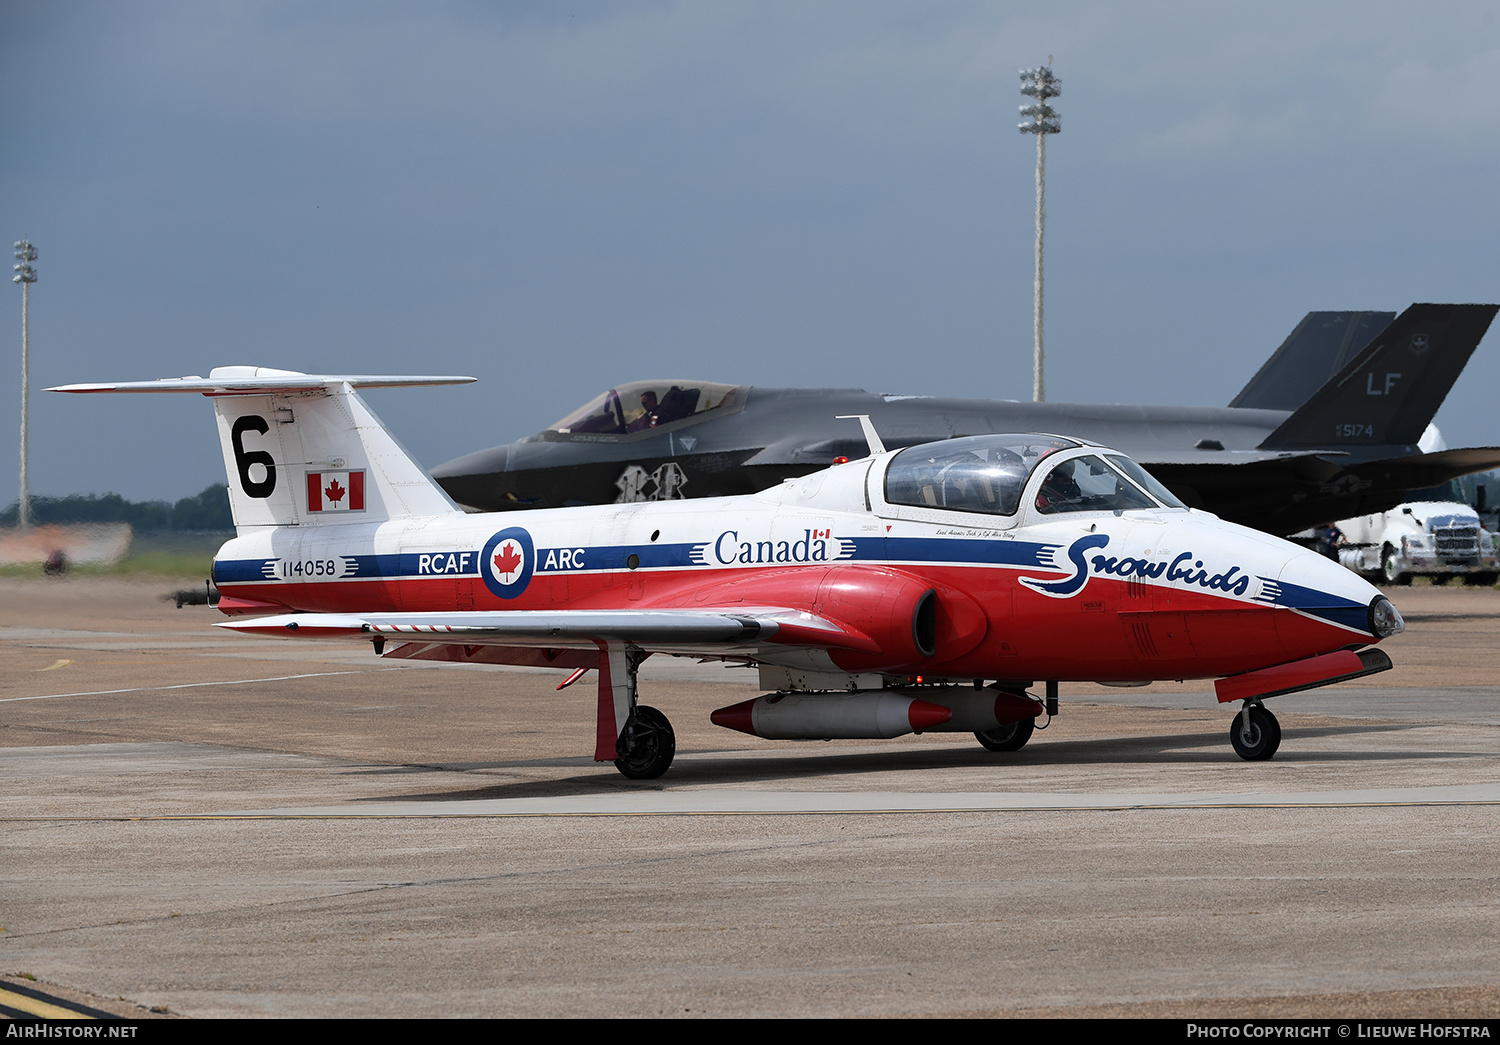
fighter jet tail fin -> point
(1317, 349)
(305, 449)
(1389, 393)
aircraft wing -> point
(1422, 470)
(707, 632)
(1325, 486)
(609, 640)
(1231, 458)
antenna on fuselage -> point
(872, 437)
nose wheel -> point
(1255, 733)
(647, 744)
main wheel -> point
(1480, 580)
(1390, 568)
(646, 745)
(1260, 741)
(1010, 737)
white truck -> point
(1437, 539)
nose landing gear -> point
(1255, 733)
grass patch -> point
(163, 554)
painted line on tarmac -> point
(780, 803)
(20, 1003)
(721, 803)
(194, 685)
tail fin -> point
(1320, 346)
(305, 449)
(1388, 395)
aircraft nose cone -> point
(482, 462)
(1385, 621)
(478, 480)
(1321, 589)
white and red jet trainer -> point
(919, 590)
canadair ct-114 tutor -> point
(919, 590)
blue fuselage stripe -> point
(893, 550)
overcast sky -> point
(555, 197)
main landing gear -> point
(1010, 737)
(646, 745)
(637, 738)
(1255, 733)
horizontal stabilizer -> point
(305, 449)
(259, 380)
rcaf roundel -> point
(507, 562)
(336, 491)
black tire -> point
(646, 746)
(1264, 739)
(1480, 580)
(1440, 580)
(1389, 568)
(1009, 737)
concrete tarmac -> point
(212, 825)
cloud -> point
(767, 192)
(1460, 104)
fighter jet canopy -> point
(642, 405)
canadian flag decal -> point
(336, 491)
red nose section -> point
(923, 715)
(736, 716)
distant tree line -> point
(208, 510)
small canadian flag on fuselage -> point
(336, 491)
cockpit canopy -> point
(988, 473)
(643, 405)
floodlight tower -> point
(26, 276)
(1041, 120)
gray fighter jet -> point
(1327, 429)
